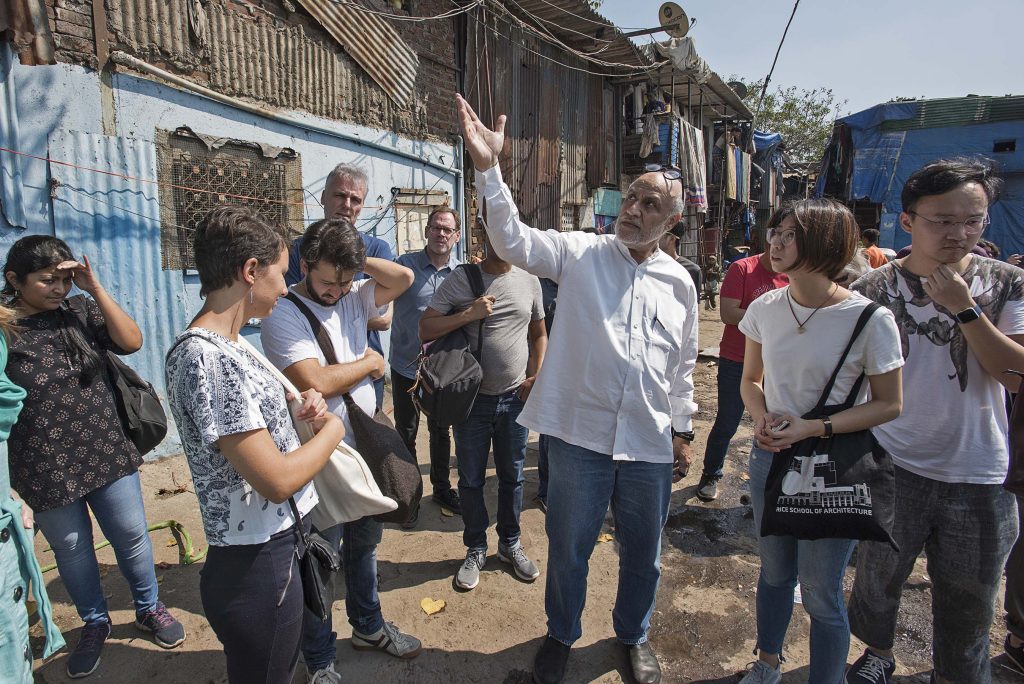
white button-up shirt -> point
(618, 372)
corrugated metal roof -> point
(960, 111)
(91, 214)
(24, 24)
(373, 43)
(577, 25)
(256, 57)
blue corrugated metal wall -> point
(116, 223)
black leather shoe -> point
(549, 665)
(449, 498)
(644, 664)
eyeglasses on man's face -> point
(442, 230)
(784, 237)
(972, 225)
(667, 171)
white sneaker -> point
(326, 675)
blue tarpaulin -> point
(883, 157)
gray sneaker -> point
(523, 566)
(762, 673)
(326, 675)
(707, 488)
(388, 639)
(468, 575)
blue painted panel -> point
(115, 221)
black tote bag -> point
(838, 487)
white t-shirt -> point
(288, 338)
(214, 393)
(954, 426)
(797, 367)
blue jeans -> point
(583, 483)
(122, 518)
(542, 468)
(819, 566)
(730, 412)
(358, 545)
(492, 420)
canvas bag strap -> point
(475, 275)
(862, 322)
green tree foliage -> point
(803, 117)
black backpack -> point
(138, 406)
(449, 374)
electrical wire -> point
(602, 24)
(541, 20)
(632, 68)
(764, 88)
(402, 17)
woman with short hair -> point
(795, 337)
(243, 451)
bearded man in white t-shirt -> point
(332, 253)
(961, 321)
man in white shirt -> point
(332, 253)
(961, 319)
(615, 391)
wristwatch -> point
(968, 315)
(688, 435)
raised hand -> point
(82, 275)
(482, 143)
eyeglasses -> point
(667, 171)
(442, 230)
(972, 226)
(785, 237)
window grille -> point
(201, 173)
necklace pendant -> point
(800, 329)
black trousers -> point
(252, 597)
(407, 422)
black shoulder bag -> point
(838, 487)
(393, 468)
(449, 375)
(317, 560)
(138, 406)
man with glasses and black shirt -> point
(430, 266)
(961, 319)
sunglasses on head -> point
(669, 172)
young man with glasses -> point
(961, 319)
(430, 267)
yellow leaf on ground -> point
(171, 542)
(447, 512)
(605, 537)
(431, 606)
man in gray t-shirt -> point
(514, 341)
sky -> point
(867, 51)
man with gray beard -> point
(614, 394)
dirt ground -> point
(703, 628)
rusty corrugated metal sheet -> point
(255, 57)
(115, 221)
(373, 43)
(24, 24)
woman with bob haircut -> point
(243, 451)
(69, 453)
(795, 337)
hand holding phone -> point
(781, 426)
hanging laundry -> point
(730, 172)
(694, 167)
(650, 137)
(743, 170)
